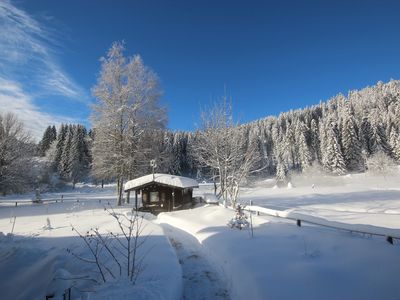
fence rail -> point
(47, 200)
(389, 233)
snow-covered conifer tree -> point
(350, 141)
(304, 153)
(334, 161)
(379, 135)
(281, 171)
(289, 154)
(78, 158)
(315, 142)
(64, 167)
(60, 144)
(323, 142)
(367, 136)
(395, 144)
(49, 136)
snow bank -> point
(284, 261)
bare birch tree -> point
(127, 107)
(16, 155)
(223, 146)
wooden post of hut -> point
(173, 199)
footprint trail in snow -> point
(200, 280)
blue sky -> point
(271, 56)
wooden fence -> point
(389, 234)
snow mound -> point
(210, 198)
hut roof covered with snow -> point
(163, 179)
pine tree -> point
(303, 149)
(289, 151)
(64, 168)
(323, 143)
(281, 173)
(367, 136)
(395, 144)
(334, 161)
(281, 167)
(53, 135)
(315, 142)
(48, 137)
(60, 144)
(179, 153)
(78, 158)
(380, 139)
(351, 143)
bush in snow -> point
(115, 254)
(240, 219)
(380, 164)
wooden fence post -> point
(251, 219)
(67, 294)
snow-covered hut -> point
(162, 192)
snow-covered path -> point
(200, 279)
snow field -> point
(193, 254)
(35, 257)
(351, 199)
(284, 261)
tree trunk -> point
(120, 191)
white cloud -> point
(14, 99)
(28, 67)
(27, 54)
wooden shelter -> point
(162, 192)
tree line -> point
(343, 134)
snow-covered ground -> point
(352, 199)
(193, 254)
(34, 261)
(283, 261)
(200, 278)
